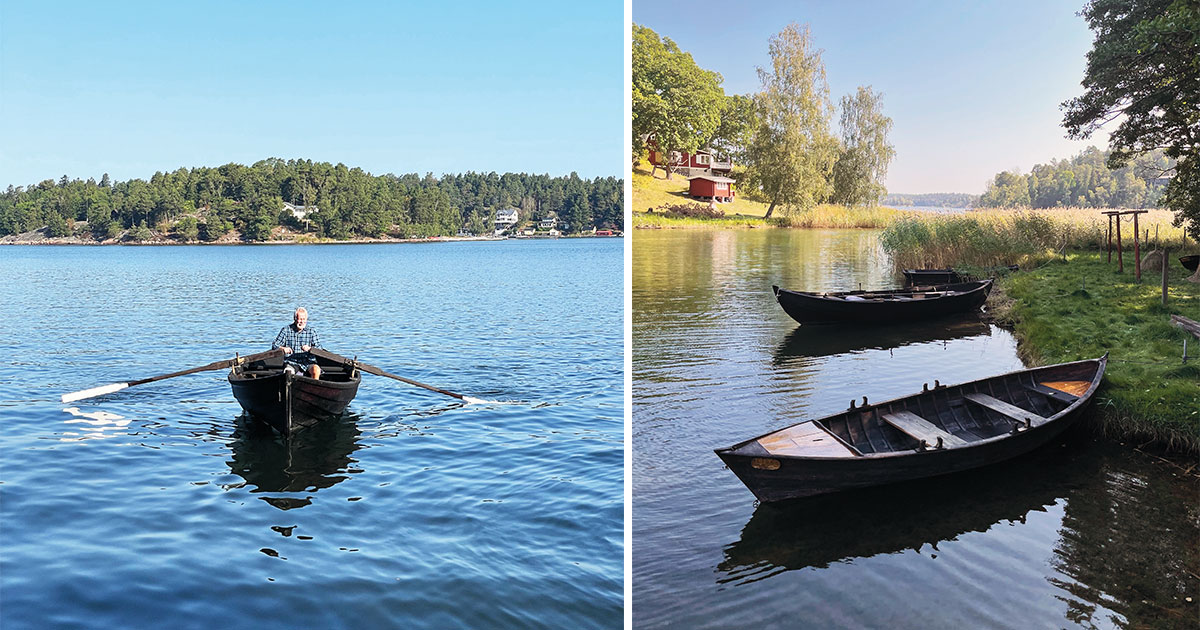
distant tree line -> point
(1084, 181)
(783, 134)
(932, 200)
(206, 203)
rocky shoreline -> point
(40, 237)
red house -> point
(712, 187)
(702, 161)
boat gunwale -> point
(1080, 401)
(840, 296)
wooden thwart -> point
(921, 429)
(999, 406)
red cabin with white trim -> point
(712, 187)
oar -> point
(116, 387)
(378, 372)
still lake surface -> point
(161, 508)
(1083, 533)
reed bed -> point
(831, 216)
(993, 238)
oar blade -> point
(93, 392)
(470, 400)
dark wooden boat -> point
(1190, 262)
(290, 402)
(942, 430)
(931, 276)
(883, 306)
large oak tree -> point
(675, 102)
(1144, 70)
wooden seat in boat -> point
(1003, 408)
(921, 429)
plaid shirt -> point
(292, 338)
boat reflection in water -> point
(821, 341)
(314, 459)
(824, 530)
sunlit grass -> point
(655, 192)
(658, 220)
(1082, 307)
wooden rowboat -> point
(290, 402)
(942, 430)
(883, 306)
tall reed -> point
(990, 238)
(831, 216)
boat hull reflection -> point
(295, 467)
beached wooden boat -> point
(942, 430)
(883, 306)
(1190, 262)
(290, 402)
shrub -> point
(690, 211)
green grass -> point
(643, 220)
(1081, 308)
(657, 191)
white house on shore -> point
(300, 212)
(505, 219)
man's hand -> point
(305, 348)
(286, 350)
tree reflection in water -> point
(1129, 549)
(316, 458)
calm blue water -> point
(1083, 533)
(160, 508)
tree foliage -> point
(1144, 69)
(674, 100)
(862, 164)
(793, 152)
(735, 130)
(208, 203)
(1084, 181)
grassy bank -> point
(1081, 307)
(655, 191)
(651, 192)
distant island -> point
(277, 200)
(930, 200)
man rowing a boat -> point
(298, 336)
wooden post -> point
(1164, 275)
(1108, 246)
(1112, 214)
(1137, 252)
(1120, 258)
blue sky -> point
(973, 88)
(130, 88)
